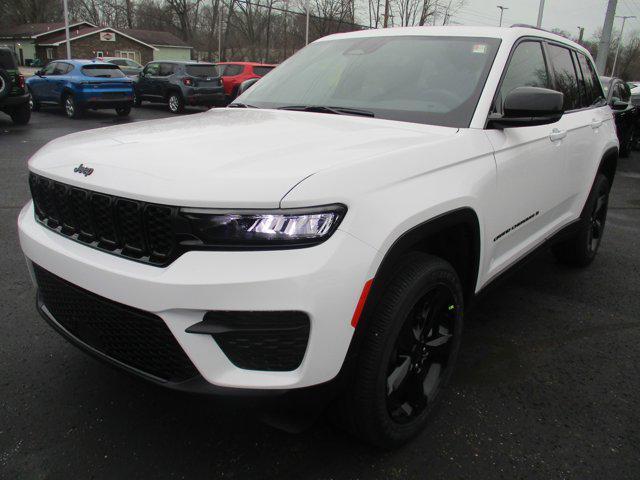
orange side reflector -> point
(361, 302)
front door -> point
(529, 200)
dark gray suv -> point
(180, 83)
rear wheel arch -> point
(609, 164)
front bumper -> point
(324, 281)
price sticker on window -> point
(480, 48)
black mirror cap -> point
(244, 86)
(619, 105)
(529, 106)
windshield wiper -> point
(325, 109)
(241, 105)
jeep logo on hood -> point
(86, 171)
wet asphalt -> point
(547, 384)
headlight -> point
(263, 228)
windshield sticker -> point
(480, 48)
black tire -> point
(400, 356)
(626, 145)
(175, 102)
(137, 101)
(71, 107)
(21, 114)
(33, 103)
(123, 111)
(580, 249)
(5, 84)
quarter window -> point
(527, 68)
(565, 75)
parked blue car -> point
(81, 84)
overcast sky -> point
(564, 14)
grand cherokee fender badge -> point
(86, 171)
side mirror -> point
(244, 86)
(618, 105)
(528, 107)
(38, 73)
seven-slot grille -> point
(138, 230)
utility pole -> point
(615, 59)
(605, 40)
(580, 34)
(66, 27)
(385, 21)
(540, 12)
(306, 35)
(502, 9)
(220, 15)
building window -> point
(49, 52)
(99, 54)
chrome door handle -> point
(596, 123)
(557, 135)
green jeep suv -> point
(14, 99)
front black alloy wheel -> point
(421, 355)
(407, 353)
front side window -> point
(152, 69)
(421, 79)
(49, 69)
(565, 75)
(527, 68)
(262, 71)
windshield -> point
(202, 70)
(105, 71)
(433, 80)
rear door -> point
(147, 85)
(164, 78)
(586, 124)
(530, 192)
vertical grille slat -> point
(138, 230)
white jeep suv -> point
(331, 226)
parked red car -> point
(234, 73)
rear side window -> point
(591, 86)
(103, 71)
(166, 69)
(202, 70)
(565, 75)
(527, 68)
(262, 71)
(8, 60)
(232, 70)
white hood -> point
(229, 158)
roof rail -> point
(526, 25)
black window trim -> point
(515, 46)
(552, 75)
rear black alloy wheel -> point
(581, 248)
(408, 346)
(421, 355)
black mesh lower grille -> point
(269, 341)
(134, 337)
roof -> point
(185, 62)
(510, 34)
(32, 30)
(76, 33)
(157, 38)
(253, 64)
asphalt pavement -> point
(547, 385)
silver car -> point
(128, 67)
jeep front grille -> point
(130, 228)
